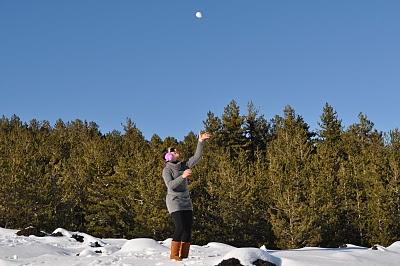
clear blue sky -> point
(156, 63)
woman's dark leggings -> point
(183, 221)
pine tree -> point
(240, 207)
(138, 188)
(24, 161)
(213, 125)
(289, 155)
(393, 187)
(78, 173)
(378, 211)
(329, 156)
(60, 149)
(231, 190)
(203, 185)
(9, 162)
(358, 179)
(41, 178)
(257, 132)
(103, 213)
(232, 131)
(152, 214)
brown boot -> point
(175, 248)
(185, 250)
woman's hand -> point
(187, 173)
(204, 136)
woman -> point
(179, 204)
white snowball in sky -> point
(199, 14)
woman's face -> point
(175, 155)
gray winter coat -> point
(178, 197)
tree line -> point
(261, 182)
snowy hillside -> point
(65, 250)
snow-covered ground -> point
(65, 250)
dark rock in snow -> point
(31, 231)
(236, 262)
(98, 251)
(58, 234)
(230, 262)
(95, 245)
(263, 263)
(77, 237)
(374, 247)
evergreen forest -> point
(271, 182)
